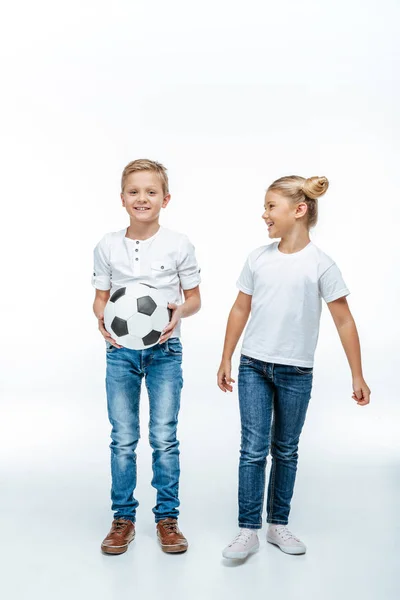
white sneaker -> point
(287, 542)
(245, 543)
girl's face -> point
(280, 215)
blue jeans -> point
(277, 394)
(161, 366)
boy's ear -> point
(167, 198)
(122, 198)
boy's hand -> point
(224, 378)
(104, 332)
(176, 317)
(361, 391)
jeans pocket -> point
(109, 347)
(304, 370)
(173, 347)
(246, 360)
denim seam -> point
(277, 522)
(250, 526)
(128, 518)
(298, 370)
(273, 465)
(272, 495)
(158, 519)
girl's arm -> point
(236, 322)
(347, 331)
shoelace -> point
(119, 525)
(170, 527)
(241, 538)
(285, 534)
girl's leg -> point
(255, 399)
(293, 390)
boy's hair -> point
(143, 164)
(299, 189)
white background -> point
(228, 96)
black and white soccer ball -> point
(135, 316)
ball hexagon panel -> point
(126, 307)
(139, 325)
(160, 318)
(132, 342)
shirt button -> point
(137, 242)
(162, 267)
(136, 259)
(136, 250)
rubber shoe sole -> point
(172, 548)
(240, 555)
(116, 549)
(287, 549)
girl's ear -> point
(301, 209)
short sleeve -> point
(331, 284)
(101, 278)
(245, 283)
(188, 269)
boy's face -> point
(143, 196)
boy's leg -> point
(256, 392)
(123, 381)
(164, 384)
(293, 390)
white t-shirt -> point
(166, 260)
(286, 305)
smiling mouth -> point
(141, 208)
(269, 225)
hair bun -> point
(314, 187)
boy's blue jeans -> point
(277, 394)
(161, 367)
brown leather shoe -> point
(170, 537)
(121, 534)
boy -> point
(145, 252)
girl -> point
(282, 284)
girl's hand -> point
(176, 317)
(104, 332)
(361, 391)
(224, 378)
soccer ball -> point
(135, 316)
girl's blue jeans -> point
(273, 402)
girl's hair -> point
(143, 164)
(298, 189)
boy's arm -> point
(99, 304)
(190, 306)
(192, 302)
(348, 334)
(236, 323)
